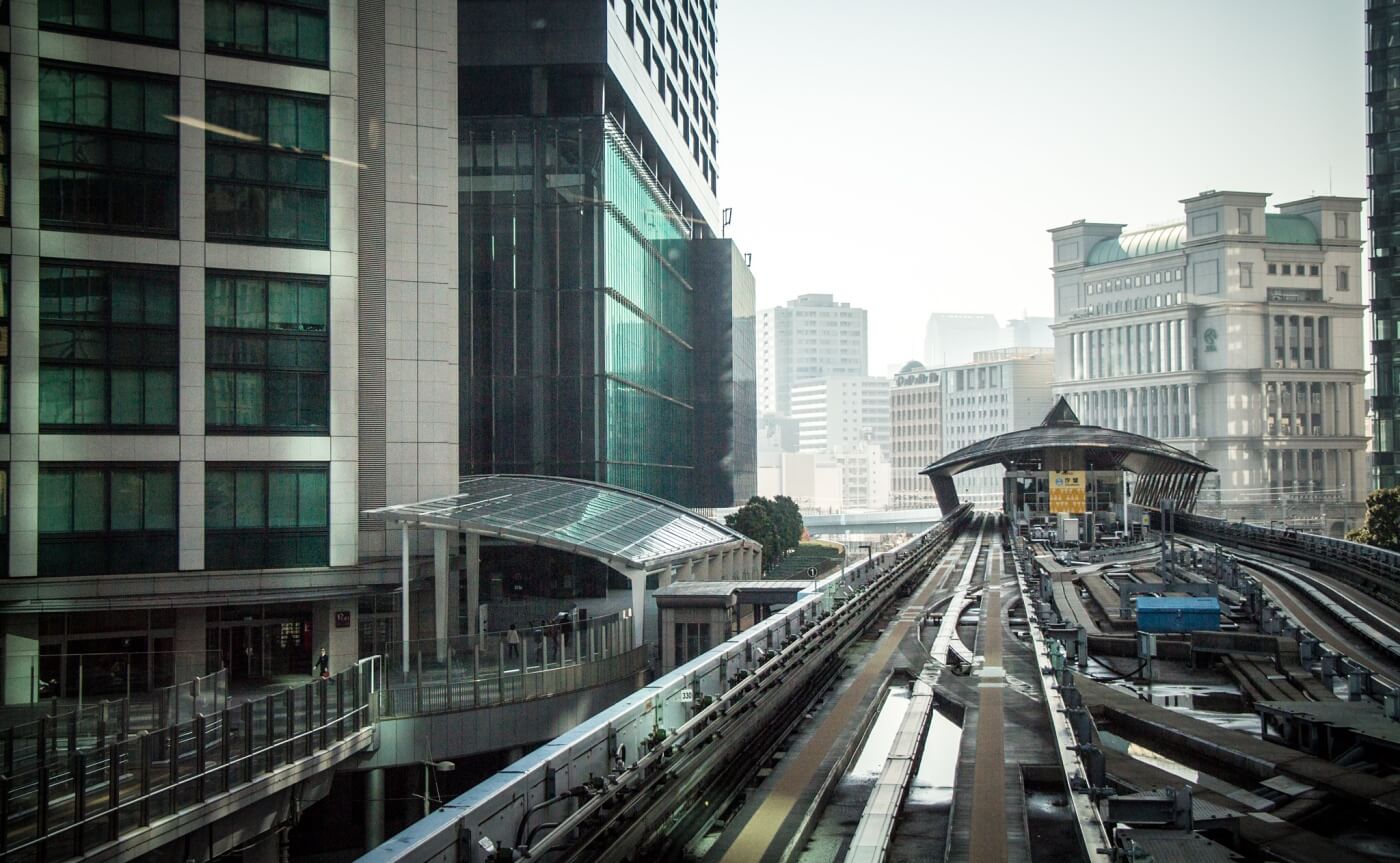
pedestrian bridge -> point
(883, 521)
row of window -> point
(109, 158)
(1144, 280)
(109, 341)
(122, 518)
(295, 31)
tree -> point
(754, 520)
(1382, 525)
(788, 520)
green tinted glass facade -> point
(96, 518)
(1383, 99)
(576, 309)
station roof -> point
(616, 525)
(1061, 430)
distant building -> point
(1235, 335)
(842, 412)
(1000, 391)
(865, 477)
(1028, 333)
(952, 339)
(1383, 101)
(812, 480)
(916, 434)
(810, 338)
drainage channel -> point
(922, 828)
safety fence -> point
(107, 787)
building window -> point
(267, 353)
(1342, 226)
(1312, 270)
(1288, 269)
(268, 174)
(141, 20)
(108, 348)
(266, 516)
(692, 639)
(1273, 269)
(288, 30)
(4, 353)
(4, 138)
(107, 518)
(1343, 279)
(1246, 275)
(108, 155)
(1245, 222)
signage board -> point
(1066, 491)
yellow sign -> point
(1067, 491)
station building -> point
(1102, 477)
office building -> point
(1383, 143)
(950, 339)
(998, 392)
(587, 134)
(841, 412)
(916, 434)
(229, 295)
(1236, 335)
(810, 338)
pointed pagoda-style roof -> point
(1061, 415)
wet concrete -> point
(922, 831)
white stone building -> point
(842, 412)
(1002, 390)
(1234, 334)
(810, 338)
(916, 434)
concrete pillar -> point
(665, 576)
(404, 617)
(22, 659)
(639, 602)
(374, 808)
(335, 626)
(685, 570)
(472, 567)
(190, 644)
(441, 609)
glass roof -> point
(613, 524)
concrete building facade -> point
(1235, 335)
(842, 412)
(998, 392)
(810, 338)
(916, 434)
(230, 295)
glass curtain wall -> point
(575, 309)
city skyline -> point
(1040, 150)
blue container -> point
(1177, 613)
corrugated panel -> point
(373, 291)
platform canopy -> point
(621, 527)
(1167, 476)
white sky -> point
(909, 155)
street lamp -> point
(429, 767)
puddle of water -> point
(871, 759)
(1209, 703)
(1147, 756)
(933, 781)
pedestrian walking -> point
(323, 664)
(513, 642)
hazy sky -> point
(909, 155)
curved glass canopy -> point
(617, 525)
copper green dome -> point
(1138, 244)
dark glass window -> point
(100, 518)
(266, 516)
(268, 174)
(288, 30)
(4, 344)
(4, 133)
(267, 353)
(108, 348)
(143, 20)
(109, 155)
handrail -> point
(154, 763)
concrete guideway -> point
(989, 776)
(768, 833)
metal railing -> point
(57, 809)
(55, 736)
(471, 671)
